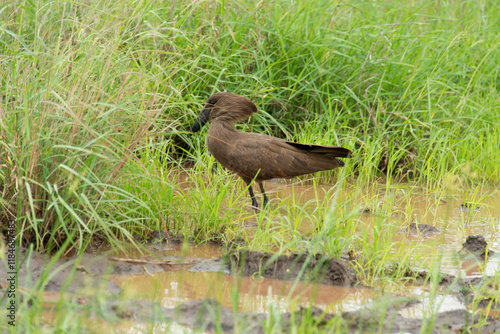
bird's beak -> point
(203, 118)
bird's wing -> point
(272, 157)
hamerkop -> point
(256, 156)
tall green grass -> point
(95, 98)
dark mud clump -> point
(159, 236)
(488, 298)
(366, 211)
(477, 246)
(418, 229)
(467, 207)
(420, 277)
(304, 266)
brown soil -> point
(158, 235)
(91, 270)
(208, 314)
(469, 286)
(305, 266)
(477, 246)
(421, 277)
(418, 229)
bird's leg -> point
(252, 196)
(265, 201)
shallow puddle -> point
(249, 294)
(398, 206)
(412, 205)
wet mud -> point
(84, 273)
(421, 277)
(158, 236)
(88, 271)
(421, 229)
(470, 285)
(476, 246)
(456, 321)
(305, 266)
(384, 316)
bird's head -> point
(225, 106)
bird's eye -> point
(212, 101)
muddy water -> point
(401, 205)
(397, 205)
(245, 293)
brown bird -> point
(256, 156)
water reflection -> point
(246, 293)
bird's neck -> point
(222, 127)
(221, 130)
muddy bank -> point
(209, 314)
(85, 272)
(421, 277)
(420, 229)
(469, 286)
(304, 266)
(89, 272)
(94, 271)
